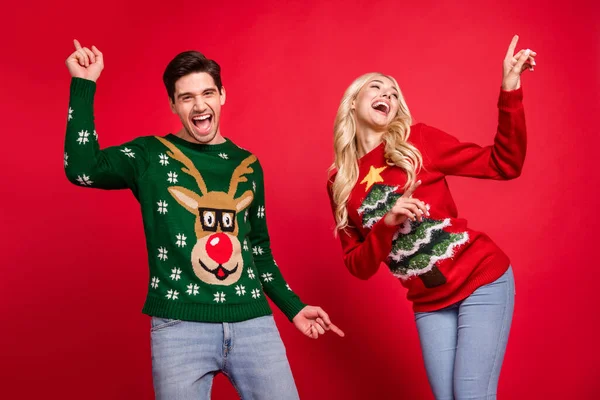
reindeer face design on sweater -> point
(217, 254)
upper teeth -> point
(201, 117)
(381, 103)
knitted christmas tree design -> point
(417, 246)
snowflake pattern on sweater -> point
(204, 217)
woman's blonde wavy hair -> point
(398, 151)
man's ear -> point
(223, 95)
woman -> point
(391, 204)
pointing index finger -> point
(337, 330)
(512, 46)
(409, 192)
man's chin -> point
(204, 138)
(201, 138)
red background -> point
(74, 272)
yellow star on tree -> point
(373, 177)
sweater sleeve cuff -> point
(510, 99)
(383, 232)
(290, 306)
(83, 88)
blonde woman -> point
(391, 204)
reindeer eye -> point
(227, 220)
(209, 218)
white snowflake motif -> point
(257, 250)
(162, 253)
(240, 290)
(251, 273)
(172, 294)
(246, 216)
(176, 274)
(84, 180)
(155, 282)
(66, 158)
(192, 289)
(254, 186)
(181, 238)
(70, 116)
(162, 207)
(83, 137)
(288, 286)
(261, 212)
(219, 297)
(172, 177)
(245, 245)
(255, 293)
(128, 152)
(267, 277)
(164, 159)
(224, 156)
(95, 135)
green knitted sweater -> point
(203, 208)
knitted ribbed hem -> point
(165, 308)
(83, 88)
(484, 274)
(290, 306)
(511, 99)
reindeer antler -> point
(189, 169)
(239, 172)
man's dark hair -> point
(187, 63)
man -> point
(203, 207)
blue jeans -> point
(187, 355)
(464, 344)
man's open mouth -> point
(202, 123)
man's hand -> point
(313, 321)
(85, 63)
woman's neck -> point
(367, 140)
